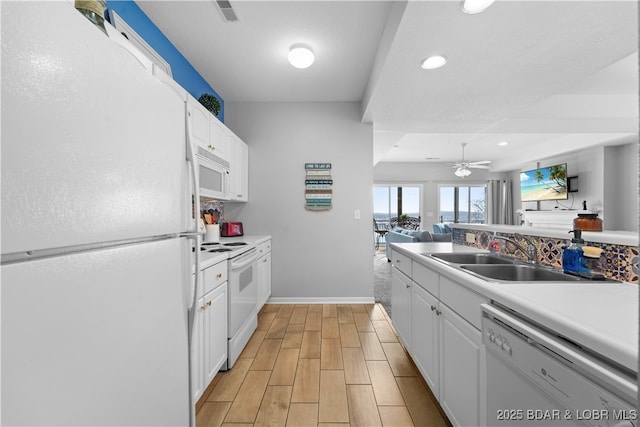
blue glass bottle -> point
(573, 255)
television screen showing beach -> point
(549, 183)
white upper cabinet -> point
(198, 117)
(218, 142)
(238, 169)
(206, 130)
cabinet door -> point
(425, 339)
(198, 117)
(197, 348)
(462, 357)
(401, 305)
(215, 332)
(218, 141)
(264, 279)
(239, 164)
(243, 172)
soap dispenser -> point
(573, 255)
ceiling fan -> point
(462, 167)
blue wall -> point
(182, 71)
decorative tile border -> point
(619, 262)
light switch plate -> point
(356, 214)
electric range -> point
(210, 251)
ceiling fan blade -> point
(480, 162)
(472, 166)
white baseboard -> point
(321, 300)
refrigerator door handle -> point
(191, 158)
(191, 312)
(194, 235)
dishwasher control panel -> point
(499, 341)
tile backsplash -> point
(215, 206)
(618, 262)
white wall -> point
(621, 175)
(317, 256)
(430, 176)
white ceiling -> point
(549, 77)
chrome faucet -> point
(531, 251)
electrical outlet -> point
(470, 238)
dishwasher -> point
(536, 377)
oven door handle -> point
(244, 259)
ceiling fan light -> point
(301, 55)
(462, 172)
(475, 6)
(433, 62)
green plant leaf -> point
(210, 102)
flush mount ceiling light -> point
(503, 143)
(433, 62)
(475, 6)
(301, 55)
(462, 171)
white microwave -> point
(213, 175)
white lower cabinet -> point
(209, 342)
(214, 329)
(461, 371)
(401, 305)
(446, 347)
(264, 273)
(426, 334)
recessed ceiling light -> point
(475, 6)
(433, 62)
(503, 143)
(301, 55)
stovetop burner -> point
(212, 247)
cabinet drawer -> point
(214, 276)
(402, 263)
(426, 278)
(264, 248)
(462, 300)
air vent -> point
(227, 12)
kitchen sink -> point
(520, 273)
(472, 258)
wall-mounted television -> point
(547, 183)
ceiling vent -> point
(227, 12)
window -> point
(393, 201)
(463, 204)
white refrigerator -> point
(97, 229)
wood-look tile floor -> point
(321, 365)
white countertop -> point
(600, 316)
(250, 239)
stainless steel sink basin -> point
(472, 258)
(520, 273)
